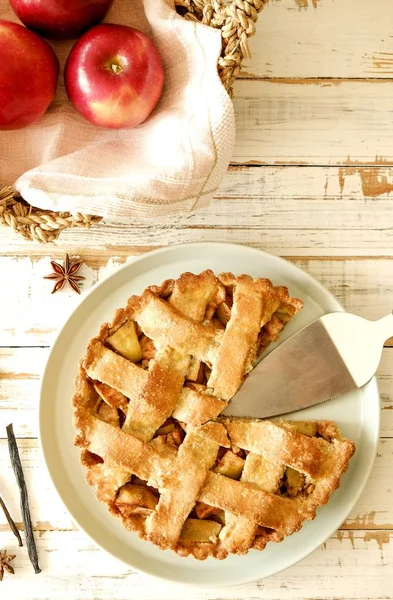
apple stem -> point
(116, 68)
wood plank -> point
(316, 190)
(116, 240)
(112, 239)
(20, 370)
(316, 122)
(352, 565)
(322, 38)
(31, 316)
(385, 384)
(47, 510)
(307, 211)
(374, 510)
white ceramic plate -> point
(357, 415)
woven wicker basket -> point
(236, 19)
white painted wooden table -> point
(311, 180)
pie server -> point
(335, 354)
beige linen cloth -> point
(172, 162)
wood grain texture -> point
(315, 121)
(322, 38)
(296, 211)
(31, 316)
(75, 569)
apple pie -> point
(147, 406)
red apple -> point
(114, 76)
(28, 76)
(60, 19)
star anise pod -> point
(5, 560)
(66, 274)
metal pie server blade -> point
(334, 355)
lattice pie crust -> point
(148, 398)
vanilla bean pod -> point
(11, 522)
(24, 500)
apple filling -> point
(230, 465)
(134, 499)
(137, 499)
(170, 432)
(129, 341)
(204, 522)
(306, 428)
(111, 397)
(195, 530)
(126, 343)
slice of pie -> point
(147, 407)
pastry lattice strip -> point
(156, 394)
(160, 465)
(183, 334)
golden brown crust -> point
(151, 444)
(305, 454)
